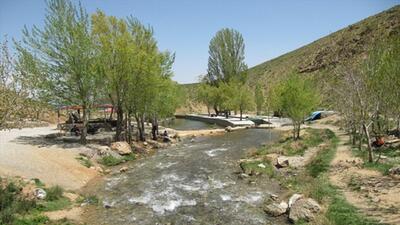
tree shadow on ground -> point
(62, 141)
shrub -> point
(54, 193)
(84, 161)
(110, 160)
(12, 203)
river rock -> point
(282, 162)
(40, 193)
(294, 198)
(243, 176)
(261, 165)
(140, 150)
(103, 150)
(304, 209)
(122, 147)
(228, 128)
(395, 170)
(276, 209)
(123, 169)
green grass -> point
(12, 203)
(84, 161)
(54, 193)
(91, 199)
(320, 164)
(340, 212)
(252, 168)
(110, 160)
(54, 205)
(33, 219)
(289, 147)
(382, 167)
(313, 182)
(38, 182)
(16, 210)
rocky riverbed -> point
(196, 182)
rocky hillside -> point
(344, 46)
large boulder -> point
(304, 209)
(294, 198)
(276, 209)
(122, 147)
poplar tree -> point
(62, 57)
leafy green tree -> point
(226, 63)
(208, 95)
(259, 98)
(243, 99)
(62, 56)
(12, 88)
(296, 97)
(226, 60)
(115, 47)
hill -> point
(344, 46)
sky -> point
(269, 28)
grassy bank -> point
(18, 205)
(382, 166)
(312, 180)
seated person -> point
(165, 136)
(379, 141)
(76, 131)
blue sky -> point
(269, 28)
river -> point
(195, 182)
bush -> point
(110, 160)
(84, 161)
(12, 203)
(54, 193)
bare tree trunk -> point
(241, 113)
(154, 127)
(112, 112)
(143, 134)
(85, 124)
(216, 110)
(120, 118)
(129, 128)
(298, 131)
(398, 127)
(370, 158)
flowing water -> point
(193, 183)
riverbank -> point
(44, 155)
(347, 190)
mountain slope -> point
(344, 46)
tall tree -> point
(226, 61)
(115, 46)
(63, 56)
(12, 89)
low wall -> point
(214, 120)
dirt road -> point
(23, 154)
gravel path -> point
(24, 153)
